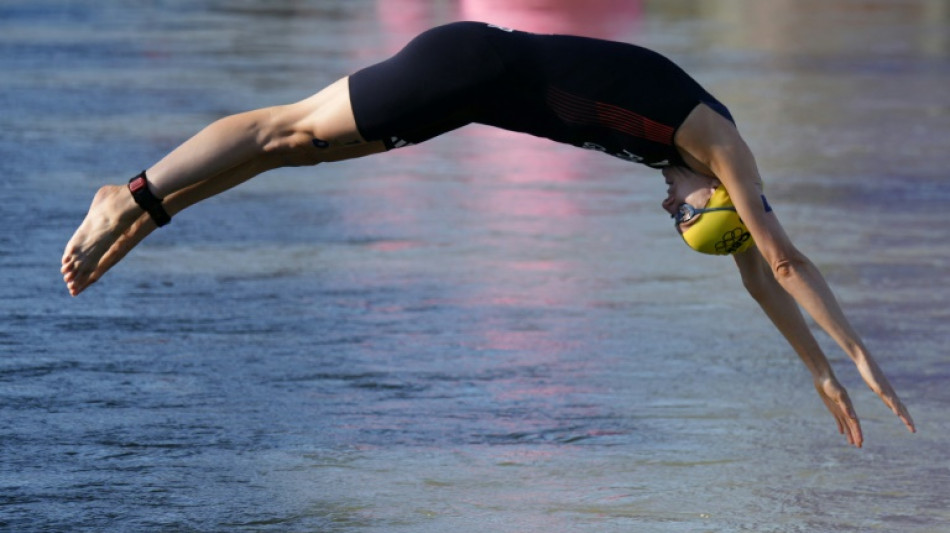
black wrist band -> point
(138, 186)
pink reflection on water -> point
(593, 18)
(607, 19)
(523, 158)
(393, 246)
(523, 194)
(537, 265)
(404, 19)
(523, 184)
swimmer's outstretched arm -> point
(784, 313)
(713, 142)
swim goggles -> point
(686, 213)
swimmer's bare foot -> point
(112, 212)
(139, 229)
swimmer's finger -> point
(897, 406)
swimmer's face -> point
(686, 187)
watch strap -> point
(138, 186)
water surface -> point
(488, 332)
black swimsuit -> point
(617, 98)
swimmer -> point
(616, 98)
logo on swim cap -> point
(719, 232)
(732, 241)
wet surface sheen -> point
(488, 332)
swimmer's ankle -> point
(147, 201)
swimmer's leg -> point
(174, 204)
(178, 201)
(228, 152)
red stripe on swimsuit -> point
(583, 111)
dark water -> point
(484, 333)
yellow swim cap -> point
(718, 232)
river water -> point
(487, 332)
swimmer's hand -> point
(837, 401)
(877, 381)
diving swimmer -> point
(617, 98)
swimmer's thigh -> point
(320, 128)
(437, 83)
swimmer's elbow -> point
(788, 267)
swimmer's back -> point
(615, 97)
